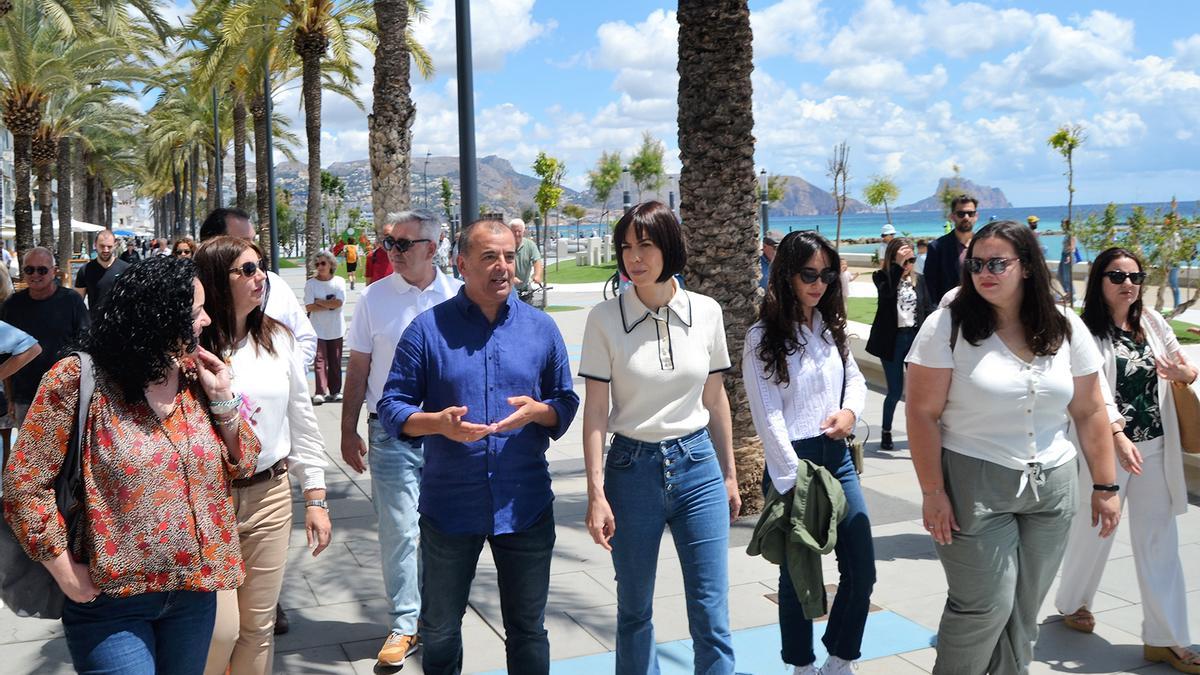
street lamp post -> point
(625, 198)
(671, 195)
(273, 228)
(217, 145)
(766, 205)
(468, 188)
(425, 178)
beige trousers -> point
(244, 635)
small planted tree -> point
(950, 191)
(549, 193)
(646, 167)
(881, 190)
(839, 171)
(1066, 140)
(604, 178)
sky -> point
(912, 86)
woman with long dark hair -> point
(1142, 360)
(899, 313)
(806, 393)
(161, 443)
(994, 381)
(270, 382)
(659, 351)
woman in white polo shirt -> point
(658, 351)
(994, 381)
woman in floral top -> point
(160, 535)
(1141, 361)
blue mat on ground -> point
(757, 649)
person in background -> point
(162, 440)
(184, 246)
(944, 263)
(271, 389)
(20, 348)
(529, 261)
(886, 234)
(130, 255)
(769, 245)
(660, 352)
(378, 266)
(995, 382)
(96, 278)
(162, 248)
(1066, 265)
(922, 253)
(9, 260)
(442, 258)
(901, 310)
(806, 393)
(1142, 360)
(324, 296)
(55, 316)
(351, 252)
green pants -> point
(1000, 564)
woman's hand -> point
(600, 522)
(215, 376)
(317, 529)
(839, 425)
(1127, 454)
(1106, 511)
(734, 496)
(73, 578)
(1175, 370)
(938, 515)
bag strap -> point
(87, 385)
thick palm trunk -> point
(392, 112)
(717, 185)
(210, 184)
(45, 205)
(310, 56)
(79, 184)
(239, 149)
(22, 209)
(262, 201)
(64, 169)
(89, 200)
(108, 206)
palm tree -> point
(717, 185)
(393, 112)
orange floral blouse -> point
(159, 514)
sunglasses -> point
(827, 276)
(249, 269)
(994, 265)
(401, 245)
(30, 270)
(1118, 277)
(910, 261)
(966, 214)
(184, 251)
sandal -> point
(1189, 662)
(1082, 620)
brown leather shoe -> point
(396, 648)
(281, 620)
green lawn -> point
(290, 263)
(862, 310)
(569, 273)
(562, 308)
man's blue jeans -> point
(856, 566)
(677, 483)
(395, 489)
(523, 571)
(165, 633)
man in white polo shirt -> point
(384, 311)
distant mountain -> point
(989, 197)
(801, 198)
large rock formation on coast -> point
(989, 197)
(802, 198)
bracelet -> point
(319, 503)
(1106, 487)
(228, 422)
(933, 493)
(225, 406)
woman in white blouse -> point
(806, 393)
(994, 380)
(269, 379)
(1141, 360)
(659, 351)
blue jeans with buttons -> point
(676, 483)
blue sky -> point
(913, 86)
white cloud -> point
(789, 27)
(885, 76)
(649, 45)
(1116, 129)
(1187, 51)
(880, 28)
(971, 28)
(498, 28)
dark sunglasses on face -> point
(184, 251)
(1118, 277)
(965, 214)
(993, 265)
(249, 269)
(402, 245)
(827, 276)
(30, 270)
(910, 261)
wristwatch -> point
(1106, 487)
(317, 502)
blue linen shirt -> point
(451, 355)
(13, 340)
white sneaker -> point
(318, 399)
(837, 666)
(810, 669)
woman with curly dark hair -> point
(806, 394)
(659, 351)
(161, 443)
(994, 382)
(270, 383)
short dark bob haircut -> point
(1096, 314)
(654, 221)
(1044, 324)
(144, 324)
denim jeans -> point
(894, 372)
(856, 567)
(676, 483)
(523, 572)
(1173, 280)
(395, 489)
(154, 633)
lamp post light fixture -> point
(766, 205)
(671, 194)
(625, 198)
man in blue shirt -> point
(485, 382)
(770, 242)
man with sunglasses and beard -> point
(384, 310)
(943, 264)
(53, 315)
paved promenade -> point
(338, 613)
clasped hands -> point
(452, 425)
